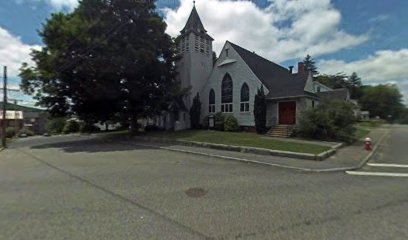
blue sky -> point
(368, 37)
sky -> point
(366, 37)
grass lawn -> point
(364, 128)
(241, 139)
(361, 133)
(370, 124)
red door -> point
(287, 113)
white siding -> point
(240, 74)
(322, 87)
(194, 67)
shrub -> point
(260, 111)
(25, 131)
(55, 125)
(205, 125)
(71, 127)
(153, 128)
(230, 124)
(219, 121)
(195, 112)
(331, 120)
(10, 132)
(86, 127)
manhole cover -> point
(196, 192)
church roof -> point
(277, 79)
(194, 24)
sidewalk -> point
(346, 158)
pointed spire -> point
(194, 22)
(195, 25)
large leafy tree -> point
(384, 101)
(106, 60)
(260, 111)
(310, 65)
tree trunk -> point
(134, 126)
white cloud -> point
(13, 52)
(285, 30)
(384, 66)
(57, 4)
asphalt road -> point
(86, 188)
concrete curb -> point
(363, 161)
(219, 156)
(254, 150)
(327, 170)
(368, 157)
(338, 146)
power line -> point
(4, 121)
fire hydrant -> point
(368, 144)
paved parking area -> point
(88, 188)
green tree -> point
(195, 112)
(55, 125)
(354, 85)
(335, 81)
(310, 65)
(384, 101)
(71, 126)
(403, 116)
(105, 60)
(260, 111)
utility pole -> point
(4, 120)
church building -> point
(230, 84)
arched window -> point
(211, 101)
(244, 98)
(226, 94)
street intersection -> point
(84, 187)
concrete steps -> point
(283, 131)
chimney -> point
(291, 69)
(301, 67)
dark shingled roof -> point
(279, 81)
(194, 24)
(341, 94)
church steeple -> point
(195, 25)
(196, 62)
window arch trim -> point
(211, 101)
(244, 105)
(227, 94)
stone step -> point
(283, 131)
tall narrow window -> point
(211, 102)
(226, 94)
(244, 98)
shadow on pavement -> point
(89, 145)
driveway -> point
(84, 187)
